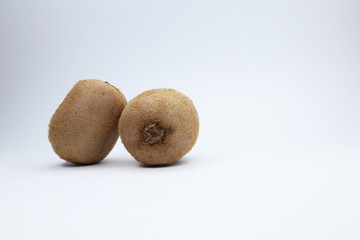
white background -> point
(276, 85)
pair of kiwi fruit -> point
(157, 127)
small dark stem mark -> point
(154, 133)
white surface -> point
(276, 85)
(259, 194)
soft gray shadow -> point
(79, 165)
(177, 163)
(106, 163)
(118, 163)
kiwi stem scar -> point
(154, 133)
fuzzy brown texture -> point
(159, 126)
(83, 129)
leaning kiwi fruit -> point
(159, 126)
(83, 129)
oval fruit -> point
(159, 126)
(83, 129)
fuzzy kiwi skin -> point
(83, 130)
(159, 126)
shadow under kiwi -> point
(78, 165)
(182, 161)
(107, 162)
(119, 163)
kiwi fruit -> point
(83, 130)
(159, 126)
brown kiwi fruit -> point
(159, 126)
(83, 129)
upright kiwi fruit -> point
(83, 129)
(159, 126)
